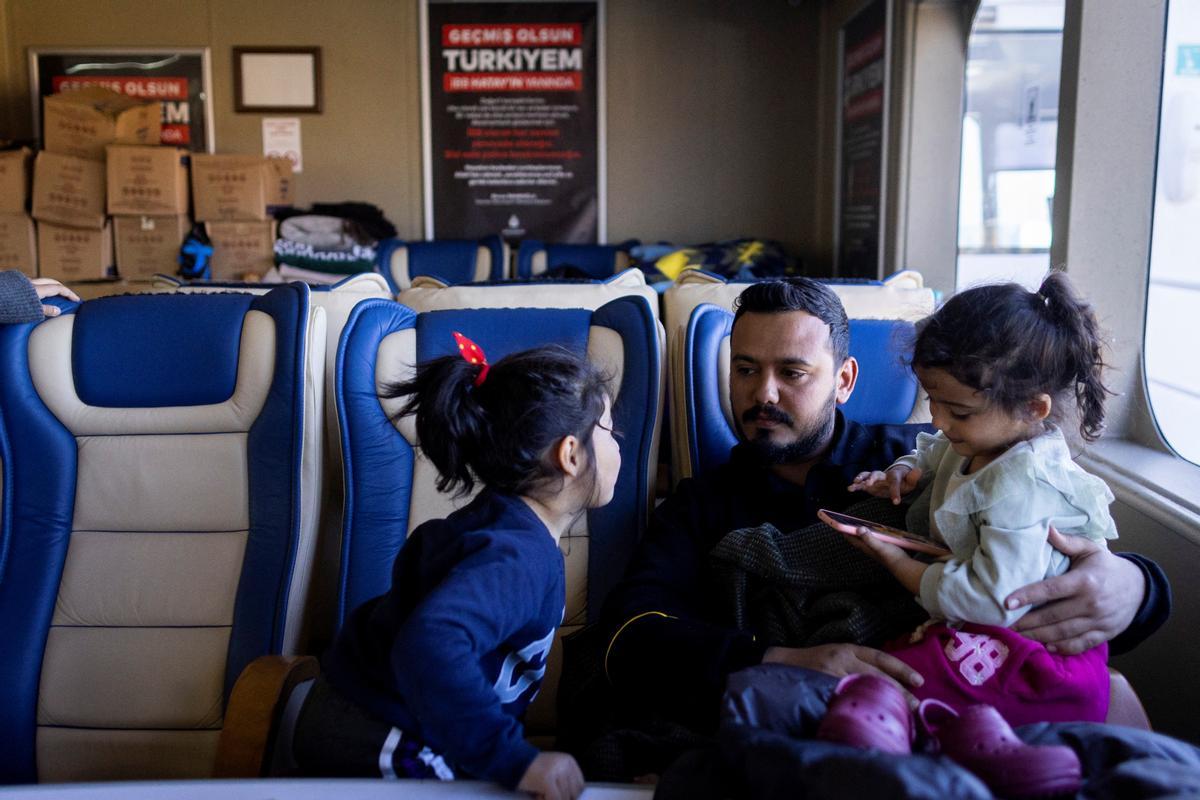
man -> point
(672, 644)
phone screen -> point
(897, 536)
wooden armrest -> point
(254, 708)
(1124, 707)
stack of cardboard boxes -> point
(69, 177)
(103, 158)
(232, 196)
(18, 242)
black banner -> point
(513, 120)
(175, 79)
(863, 138)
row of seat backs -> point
(429, 295)
(156, 523)
(620, 333)
(432, 298)
(458, 261)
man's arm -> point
(1103, 596)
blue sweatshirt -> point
(455, 651)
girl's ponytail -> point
(497, 426)
(1083, 347)
(452, 425)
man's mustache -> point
(772, 413)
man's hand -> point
(552, 776)
(48, 287)
(840, 660)
(1092, 602)
(895, 483)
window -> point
(1172, 366)
(1010, 132)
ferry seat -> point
(390, 485)
(322, 464)
(597, 260)
(152, 451)
(699, 353)
(449, 260)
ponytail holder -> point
(472, 354)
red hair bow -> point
(472, 354)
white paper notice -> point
(281, 139)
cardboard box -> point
(14, 181)
(83, 122)
(74, 254)
(281, 186)
(229, 188)
(241, 248)
(147, 246)
(18, 243)
(147, 180)
(68, 190)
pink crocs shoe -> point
(868, 711)
(981, 741)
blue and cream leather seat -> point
(151, 537)
(698, 317)
(323, 466)
(390, 486)
(597, 260)
(449, 260)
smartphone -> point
(909, 541)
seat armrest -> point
(253, 713)
(1124, 707)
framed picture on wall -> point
(178, 77)
(277, 79)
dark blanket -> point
(811, 587)
(800, 588)
(766, 750)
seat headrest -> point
(502, 331)
(151, 351)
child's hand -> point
(884, 552)
(896, 560)
(895, 483)
(552, 776)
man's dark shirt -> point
(672, 644)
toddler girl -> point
(432, 678)
(1002, 366)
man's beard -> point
(811, 440)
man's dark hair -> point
(799, 294)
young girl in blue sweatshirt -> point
(432, 678)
